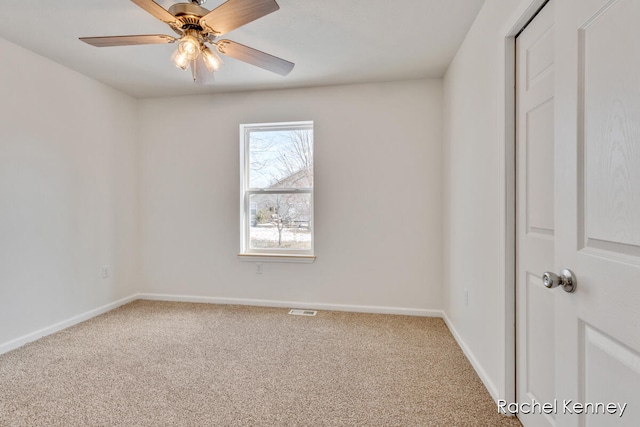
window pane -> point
(281, 221)
(281, 158)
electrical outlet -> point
(258, 268)
(106, 271)
(466, 297)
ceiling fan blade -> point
(128, 40)
(255, 57)
(236, 13)
(158, 11)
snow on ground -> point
(267, 237)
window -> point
(277, 189)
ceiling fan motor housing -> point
(189, 14)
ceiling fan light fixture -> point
(180, 59)
(189, 46)
(211, 60)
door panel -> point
(539, 324)
(617, 383)
(535, 223)
(597, 201)
(611, 108)
(539, 152)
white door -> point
(535, 228)
(597, 209)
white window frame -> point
(268, 255)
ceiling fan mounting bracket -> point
(221, 45)
(208, 30)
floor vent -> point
(298, 312)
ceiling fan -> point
(197, 27)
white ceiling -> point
(330, 41)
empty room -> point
(319, 213)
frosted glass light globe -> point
(189, 46)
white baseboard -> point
(493, 391)
(19, 342)
(294, 304)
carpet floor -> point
(154, 363)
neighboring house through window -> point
(277, 188)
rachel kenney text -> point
(566, 406)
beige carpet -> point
(178, 364)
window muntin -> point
(277, 188)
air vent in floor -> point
(298, 312)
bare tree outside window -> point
(279, 187)
(281, 159)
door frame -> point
(525, 12)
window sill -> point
(292, 258)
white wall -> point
(474, 188)
(393, 222)
(68, 197)
(377, 200)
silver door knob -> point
(566, 279)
